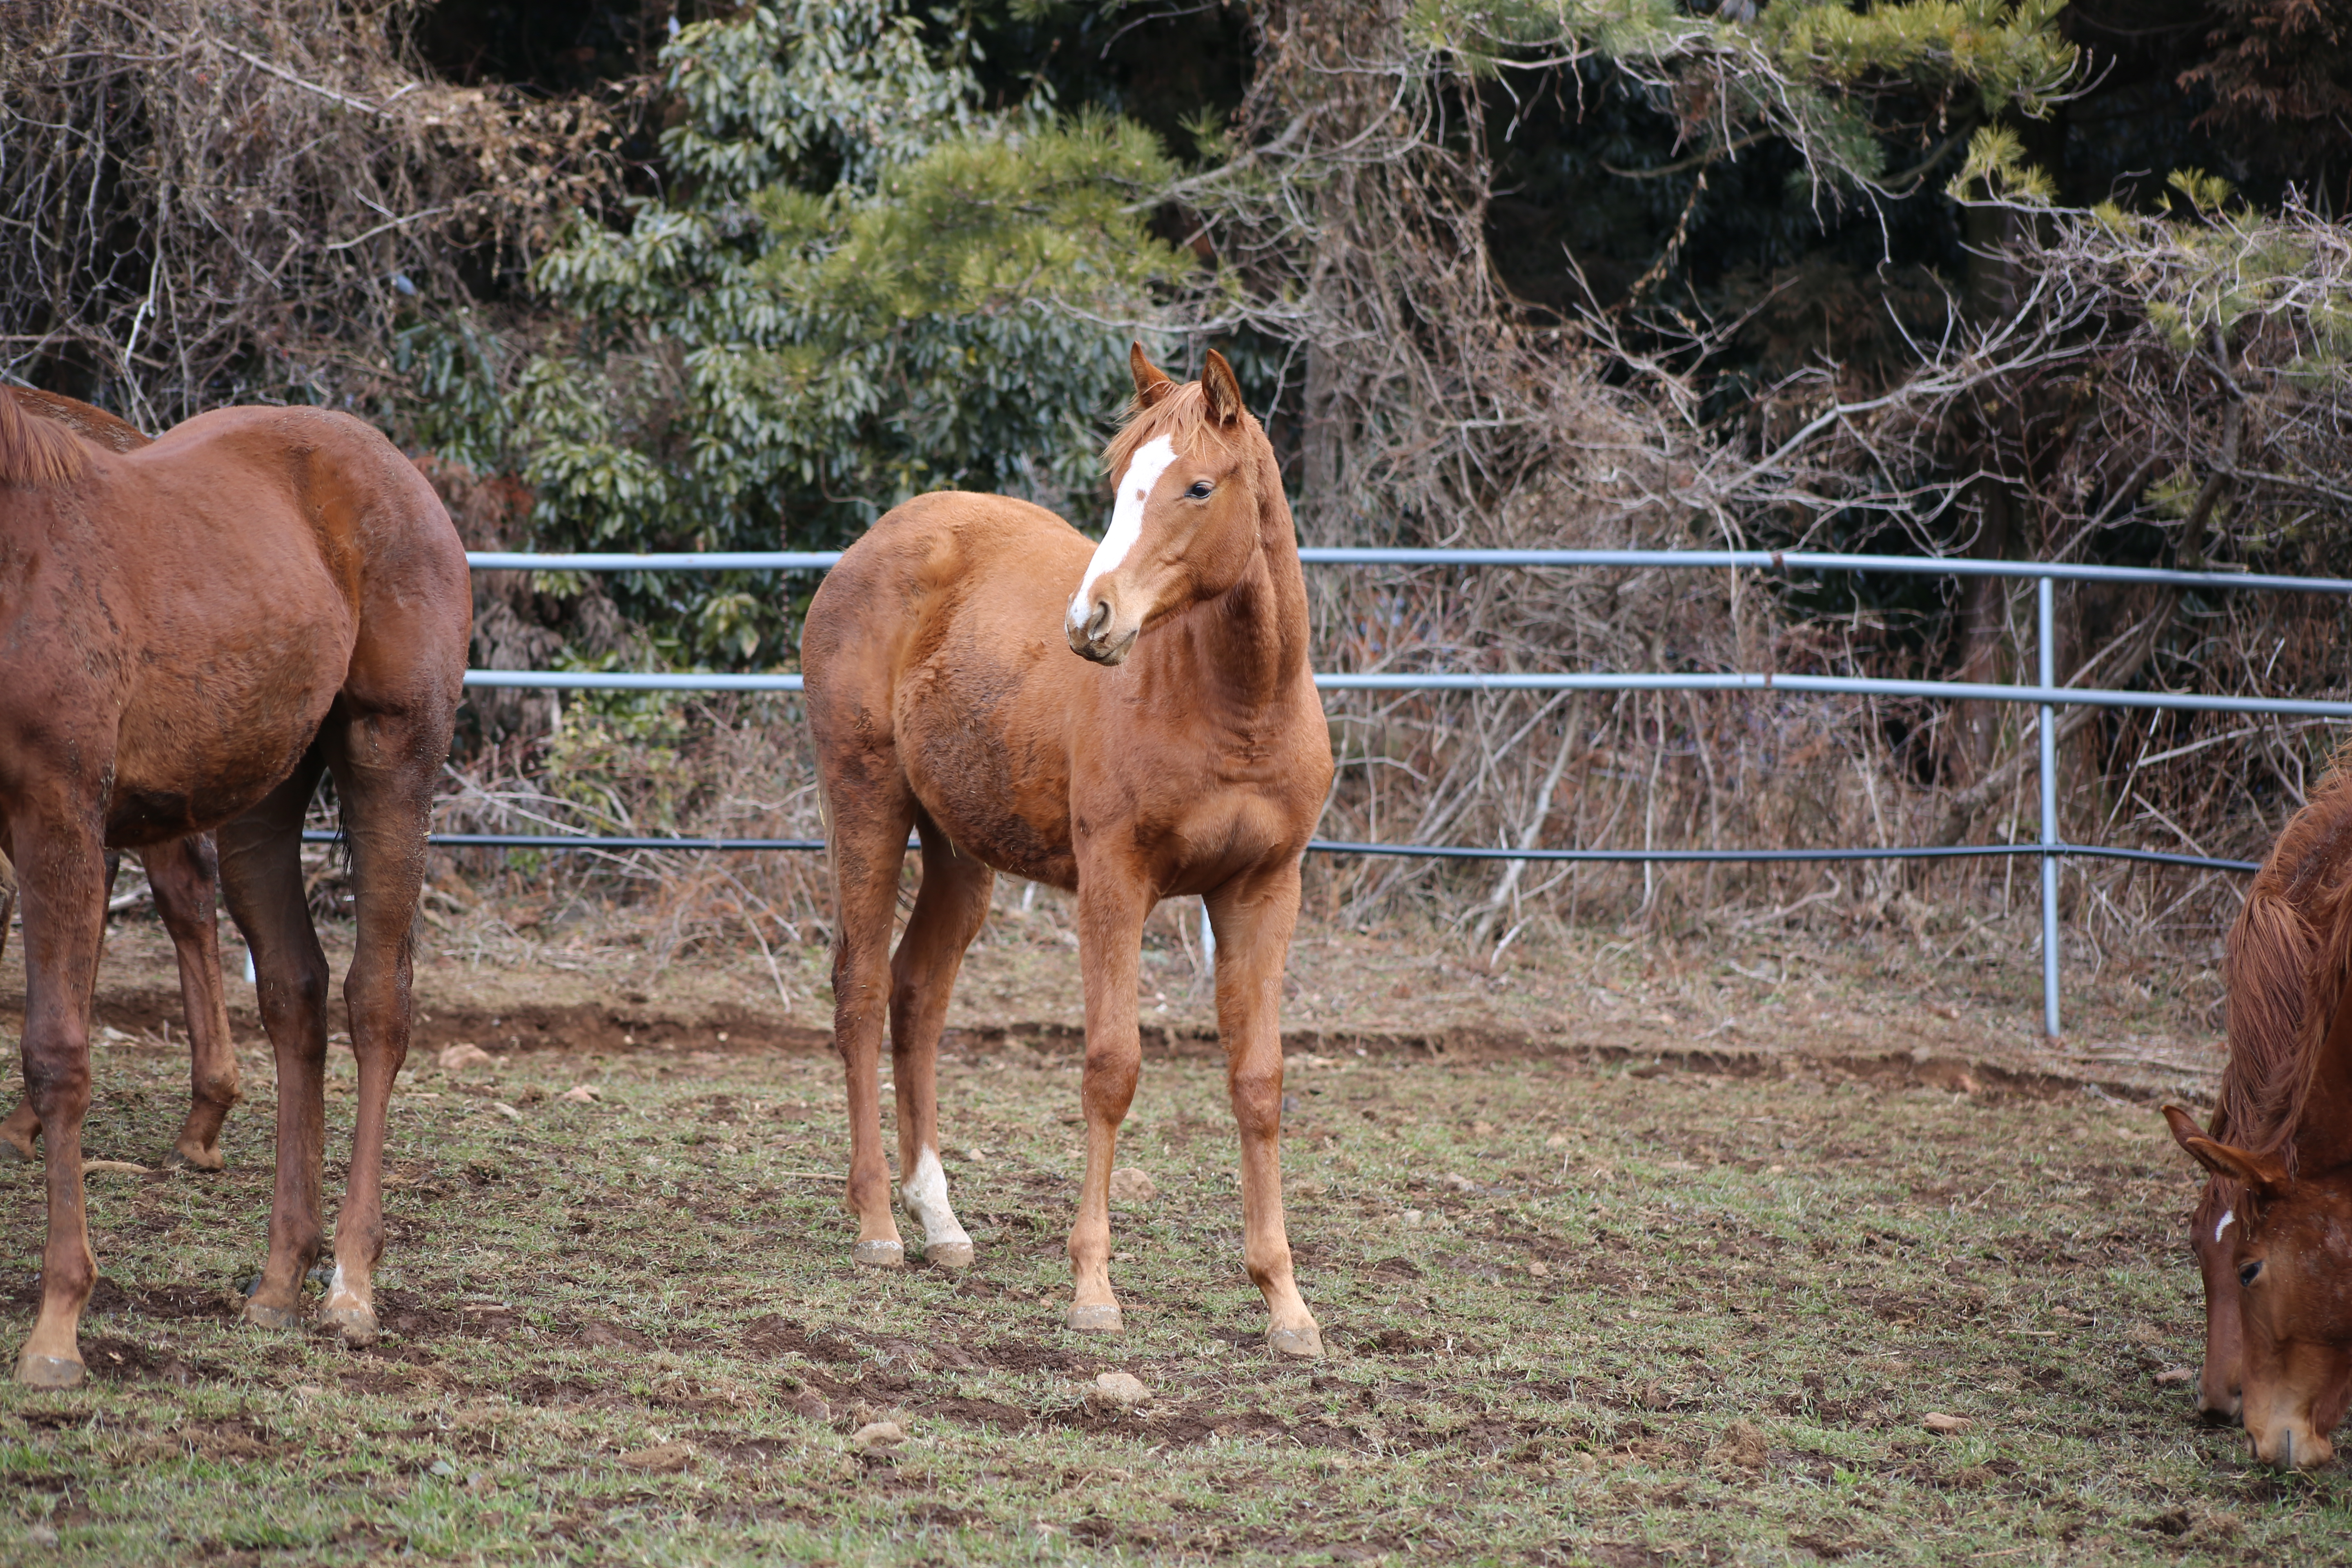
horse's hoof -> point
(879, 1255)
(194, 1159)
(1095, 1320)
(948, 1255)
(48, 1370)
(1306, 1344)
(262, 1316)
(14, 1153)
(357, 1324)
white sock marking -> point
(926, 1194)
(2229, 1217)
(339, 1294)
(1151, 462)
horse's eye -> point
(2250, 1272)
(1200, 490)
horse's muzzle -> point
(1098, 635)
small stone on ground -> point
(464, 1057)
(1117, 1391)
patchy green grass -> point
(1577, 1314)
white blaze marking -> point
(926, 1193)
(1151, 462)
(2229, 1217)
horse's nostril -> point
(1099, 621)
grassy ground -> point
(1578, 1313)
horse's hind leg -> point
(62, 874)
(184, 875)
(261, 875)
(869, 809)
(948, 914)
(385, 767)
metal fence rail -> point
(2043, 693)
(562, 842)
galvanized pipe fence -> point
(2044, 694)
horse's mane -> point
(2286, 963)
(35, 451)
(1181, 414)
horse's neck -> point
(2323, 1114)
(1253, 645)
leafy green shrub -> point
(860, 288)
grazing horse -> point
(1129, 722)
(184, 874)
(193, 631)
(2278, 1313)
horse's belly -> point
(206, 736)
(995, 779)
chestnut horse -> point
(183, 875)
(195, 630)
(2278, 1326)
(1176, 745)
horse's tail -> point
(2267, 968)
(35, 451)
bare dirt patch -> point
(1593, 1292)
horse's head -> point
(1184, 517)
(2287, 1243)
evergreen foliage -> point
(858, 287)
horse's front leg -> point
(63, 874)
(1112, 905)
(1253, 917)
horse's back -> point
(925, 569)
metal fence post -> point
(2046, 657)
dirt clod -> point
(876, 1435)
(2172, 1377)
(1742, 1445)
(661, 1458)
(1936, 1421)
(1130, 1185)
(586, 1094)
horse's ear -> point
(1151, 382)
(1223, 390)
(2260, 1175)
